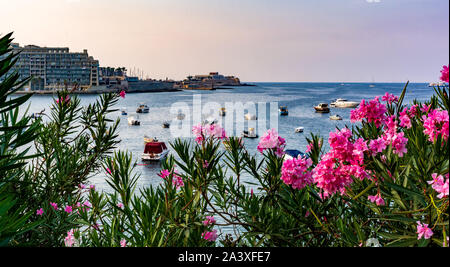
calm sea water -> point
(298, 97)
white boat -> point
(124, 112)
(250, 117)
(154, 150)
(440, 84)
(250, 133)
(335, 117)
(143, 108)
(344, 103)
(133, 121)
(322, 108)
(181, 116)
(222, 112)
(299, 130)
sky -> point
(256, 40)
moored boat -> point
(154, 150)
(283, 111)
(335, 117)
(222, 112)
(124, 112)
(299, 130)
(250, 133)
(181, 116)
(344, 103)
(322, 108)
(133, 121)
(292, 153)
(143, 108)
(166, 124)
(250, 117)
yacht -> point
(222, 112)
(143, 108)
(344, 103)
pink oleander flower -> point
(177, 181)
(209, 220)
(69, 240)
(205, 164)
(377, 146)
(120, 205)
(389, 98)
(374, 111)
(439, 184)
(399, 143)
(92, 187)
(164, 174)
(68, 209)
(295, 172)
(413, 110)
(271, 140)
(210, 236)
(251, 192)
(123, 243)
(122, 94)
(423, 230)
(405, 120)
(40, 211)
(377, 199)
(201, 132)
(63, 100)
(425, 108)
(54, 205)
(444, 74)
(436, 123)
(82, 186)
(309, 147)
(109, 170)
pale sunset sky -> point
(256, 40)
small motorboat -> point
(336, 117)
(124, 112)
(299, 130)
(250, 117)
(181, 116)
(133, 121)
(283, 111)
(292, 153)
(440, 84)
(166, 124)
(343, 103)
(143, 108)
(250, 133)
(222, 112)
(322, 108)
(154, 150)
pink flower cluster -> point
(389, 98)
(444, 74)
(295, 172)
(423, 230)
(345, 160)
(201, 132)
(436, 123)
(377, 199)
(177, 180)
(122, 94)
(406, 115)
(210, 236)
(69, 240)
(439, 184)
(271, 140)
(63, 100)
(374, 111)
(209, 220)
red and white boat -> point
(154, 150)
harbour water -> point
(298, 97)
